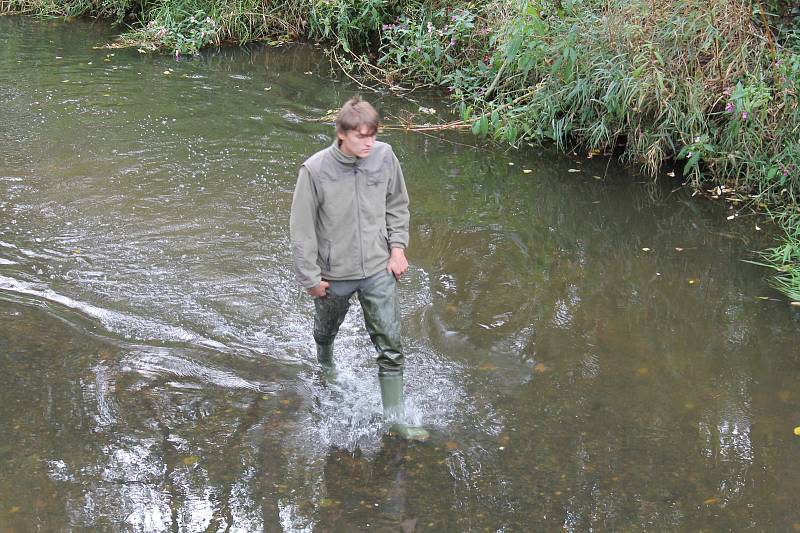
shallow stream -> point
(586, 347)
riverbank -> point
(711, 90)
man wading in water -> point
(349, 231)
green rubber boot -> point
(325, 360)
(394, 408)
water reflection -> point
(589, 354)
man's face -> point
(357, 142)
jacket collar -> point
(340, 156)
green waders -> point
(378, 297)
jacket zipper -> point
(358, 214)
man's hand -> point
(398, 264)
(319, 290)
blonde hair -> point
(356, 113)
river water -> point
(586, 347)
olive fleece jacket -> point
(347, 214)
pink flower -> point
(745, 115)
(730, 107)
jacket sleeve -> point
(302, 231)
(397, 213)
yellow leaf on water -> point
(785, 396)
(451, 445)
(14, 509)
(487, 366)
(797, 431)
(192, 459)
(539, 368)
(325, 502)
(643, 371)
(693, 281)
(711, 501)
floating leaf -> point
(731, 217)
(539, 368)
(711, 501)
(487, 366)
(693, 281)
(573, 170)
(797, 431)
(645, 249)
(451, 445)
(796, 304)
(527, 170)
(643, 371)
(678, 249)
(190, 460)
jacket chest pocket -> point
(376, 179)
